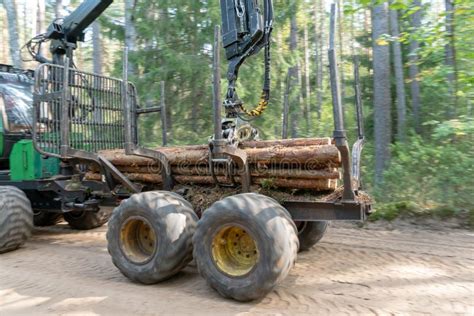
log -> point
(309, 157)
(295, 142)
(255, 171)
(264, 172)
(326, 155)
(318, 185)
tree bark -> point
(40, 24)
(319, 18)
(307, 83)
(130, 32)
(294, 80)
(286, 105)
(295, 142)
(340, 20)
(255, 171)
(307, 156)
(317, 185)
(58, 9)
(414, 71)
(13, 30)
(399, 77)
(450, 59)
(97, 48)
(3, 38)
(33, 16)
(382, 90)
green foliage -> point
(392, 211)
(410, 210)
(434, 172)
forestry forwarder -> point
(243, 244)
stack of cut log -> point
(294, 164)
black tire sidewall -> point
(46, 218)
(271, 247)
(16, 218)
(169, 256)
(311, 234)
(88, 219)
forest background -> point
(417, 79)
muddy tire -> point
(245, 245)
(45, 218)
(16, 218)
(310, 233)
(88, 220)
(150, 236)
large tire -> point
(310, 233)
(245, 245)
(45, 218)
(88, 220)
(150, 236)
(16, 218)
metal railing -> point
(77, 111)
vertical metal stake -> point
(216, 84)
(339, 131)
(358, 99)
(65, 120)
(126, 105)
(164, 123)
(359, 144)
(286, 107)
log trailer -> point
(84, 126)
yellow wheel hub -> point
(138, 240)
(234, 251)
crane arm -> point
(246, 29)
(65, 33)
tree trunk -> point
(294, 80)
(367, 26)
(319, 49)
(3, 37)
(58, 9)
(414, 71)
(307, 83)
(33, 15)
(399, 77)
(13, 30)
(286, 105)
(450, 53)
(40, 24)
(382, 91)
(130, 32)
(97, 48)
(340, 19)
(40, 16)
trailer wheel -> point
(150, 236)
(310, 233)
(16, 218)
(88, 220)
(45, 218)
(245, 245)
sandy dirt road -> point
(352, 271)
